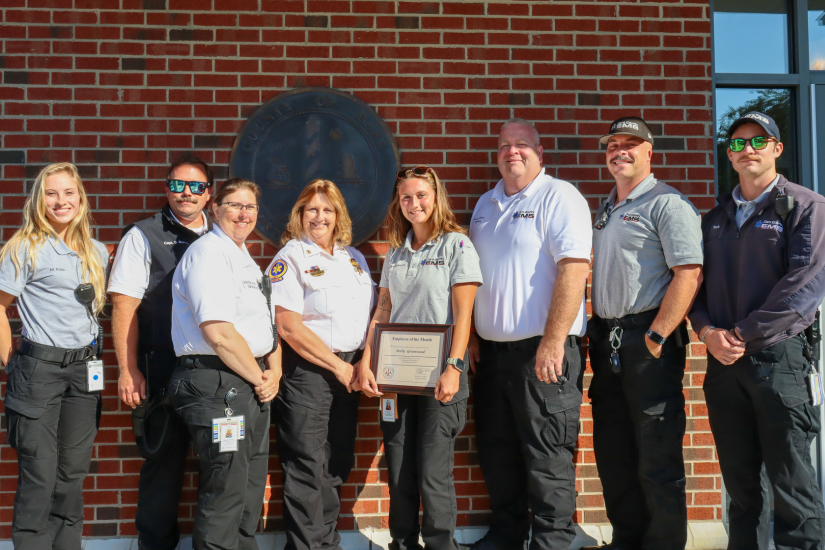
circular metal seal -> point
(311, 133)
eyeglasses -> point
(237, 207)
(758, 142)
(196, 187)
(419, 171)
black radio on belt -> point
(85, 294)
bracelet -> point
(702, 337)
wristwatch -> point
(457, 363)
(656, 338)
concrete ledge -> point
(702, 535)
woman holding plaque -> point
(430, 276)
(323, 295)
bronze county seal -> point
(311, 133)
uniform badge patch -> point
(630, 217)
(357, 267)
(770, 224)
(278, 271)
(315, 271)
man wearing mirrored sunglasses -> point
(764, 278)
(141, 289)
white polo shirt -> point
(218, 281)
(133, 262)
(519, 240)
(333, 293)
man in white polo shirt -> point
(533, 236)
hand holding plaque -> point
(409, 358)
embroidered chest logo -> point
(630, 217)
(524, 214)
(315, 271)
(776, 225)
(277, 272)
(357, 267)
(437, 261)
(478, 219)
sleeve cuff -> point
(578, 254)
(687, 260)
(747, 330)
(126, 291)
(11, 290)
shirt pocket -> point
(321, 297)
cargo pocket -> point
(299, 428)
(665, 418)
(24, 434)
(562, 419)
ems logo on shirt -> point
(776, 225)
(524, 214)
(278, 271)
(438, 261)
(630, 217)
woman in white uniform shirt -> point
(323, 296)
(52, 397)
(430, 276)
(223, 336)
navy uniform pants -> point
(526, 431)
(231, 485)
(419, 449)
(760, 413)
(161, 475)
(638, 427)
(316, 421)
(52, 423)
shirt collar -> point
(740, 201)
(498, 191)
(242, 250)
(409, 239)
(312, 249)
(643, 187)
(60, 247)
(202, 230)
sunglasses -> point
(418, 171)
(758, 142)
(196, 187)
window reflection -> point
(816, 34)
(751, 36)
(732, 103)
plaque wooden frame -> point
(380, 328)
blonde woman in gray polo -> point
(430, 275)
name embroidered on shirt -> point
(630, 217)
(438, 261)
(524, 214)
(171, 243)
(769, 224)
(478, 219)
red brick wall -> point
(120, 87)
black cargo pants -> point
(638, 427)
(316, 421)
(231, 485)
(760, 413)
(161, 475)
(526, 431)
(52, 423)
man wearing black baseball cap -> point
(764, 278)
(647, 262)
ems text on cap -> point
(629, 126)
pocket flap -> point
(26, 407)
(562, 402)
(656, 408)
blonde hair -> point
(442, 220)
(342, 234)
(36, 230)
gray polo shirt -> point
(420, 282)
(46, 301)
(653, 230)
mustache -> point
(193, 200)
(621, 157)
(750, 157)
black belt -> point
(642, 319)
(54, 355)
(212, 362)
(350, 356)
(527, 343)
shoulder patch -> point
(277, 272)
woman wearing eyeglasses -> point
(430, 276)
(56, 273)
(323, 295)
(228, 369)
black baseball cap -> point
(766, 122)
(629, 126)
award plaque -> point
(409, 358)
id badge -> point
(816, 389)
(230, 434)
(218, 422)
(94, 375)
(389, 411)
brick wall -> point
(120, 87)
